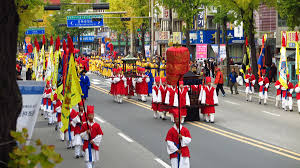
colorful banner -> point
(201, 51)
(283, 69)
(72, 93)
(290, 38)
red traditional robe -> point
(210, 98)
(288, 92)
(171, 97)
(95, 130)
(155, 98)
(161, 98)
(184, 101)
(143, 85)
(249, 79)
(47, 97)
(112, 85)
(120, 85)
(172, 136)
(263, 83)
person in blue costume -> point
(84, 84)
(148, 73)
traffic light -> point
(101, 6)
(125, 19)
(52, 7)
(96, 19)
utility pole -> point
(152, 28)
(218, 37)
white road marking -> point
(125, 137)
(231, 102)
(277, 115)
(95, 83)
(96, 80)
(99, 119)
(162, 163)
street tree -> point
(10, 97)
(186, 10)
(289, 10)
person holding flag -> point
(287, 95)
(287, 87)
(161, 97)
(178, 140)
(249, 82)
(263, 83)
(297, 64)
(91, 133)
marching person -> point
(287, 95)
(155, 103)
(163, 88)
(249, 82)
(177, 145)
(120, 82)
(113, 84)
(47, 103)
(263, 83)
(77, 123)
(91, 133)
(142, 83)
(84, 84)
(184, 101)
(209, 99)
(171, 98)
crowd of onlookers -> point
(210, 68)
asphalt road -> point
(244, 134)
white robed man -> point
(179, 150)
(91, 133)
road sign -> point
(85, 21)
(31, 31)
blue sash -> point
(69, 129)
(90, 151)
(286, 93)
(178, 155)
(263, 90)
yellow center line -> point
(245, 141)
(249, 139)
(253, 142)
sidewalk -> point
(115, 150)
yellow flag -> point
(297, 63)
(72, 93)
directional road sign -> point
(85, 21)
(31, 31)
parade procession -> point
(150, 83)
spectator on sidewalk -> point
(219, 81)
(273, 73)
(232, 81)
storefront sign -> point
(201, 51)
